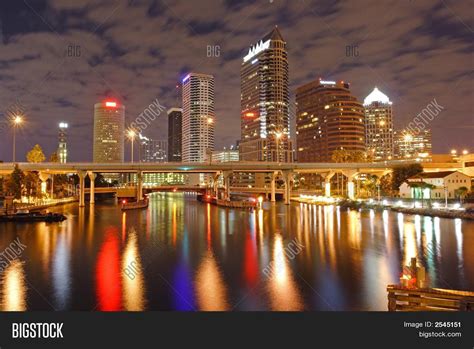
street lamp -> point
(445, 196)
(278, 136)
(17, 120)
(131, 134)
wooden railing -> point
(428, 299)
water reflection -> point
(132, 276)
(187, 255)
(14, 287)
(211, 292)
(61, 272)
(108, 273)
(284, 295)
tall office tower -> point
(198, 121)
(152, 150)
(329, 118)
(109, 120)
(62, 146)
(378, 126)
(198, 117)
(174, 134)
(411, 145)
(265, 100)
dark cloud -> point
(139, 50)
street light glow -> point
(131, 134)
(17, 120)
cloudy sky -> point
(137, 50)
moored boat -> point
(135, 205)
(26, 216)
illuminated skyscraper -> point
(198, 117)
(265, 99)
(152, 150)
(175, 118)
(329, 118)
(409, 145)
(109, 120)
(62, 146)
(378, 125)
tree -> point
(344, 155)
(386, 184)
(461, 193)
(54, 157)
(422, 186)
(36, 154)
(370, 185)
(31, 184)
(402, 173)
(14, 183)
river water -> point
(181, 254)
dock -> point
(401, 298)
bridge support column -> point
(92, 177)
(327, 184)
(287, 178)
(215, 184)
(82, 176)
(273, 187)
(227, 175)
(351, 175)
(43, 178)
(139, 185)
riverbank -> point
(43, 206)
(356, 205)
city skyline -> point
(56, 83)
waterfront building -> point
(174, 134)
(378, 126)
(109, 121)
(328, 118)
(435, 185)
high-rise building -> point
(329, 118)
(198, 117)
(378, 126)
(152, 150)
(62, 146)
(265, 100)
(174, 134)
(225, 155)
(109, 121)
(409, 145)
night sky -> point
(414, 51)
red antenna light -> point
(110, 104)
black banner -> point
(176, 330)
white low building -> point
(445, 182)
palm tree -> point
(461, 193)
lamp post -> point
(445, 196)
(17, 120)
(131, 135)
